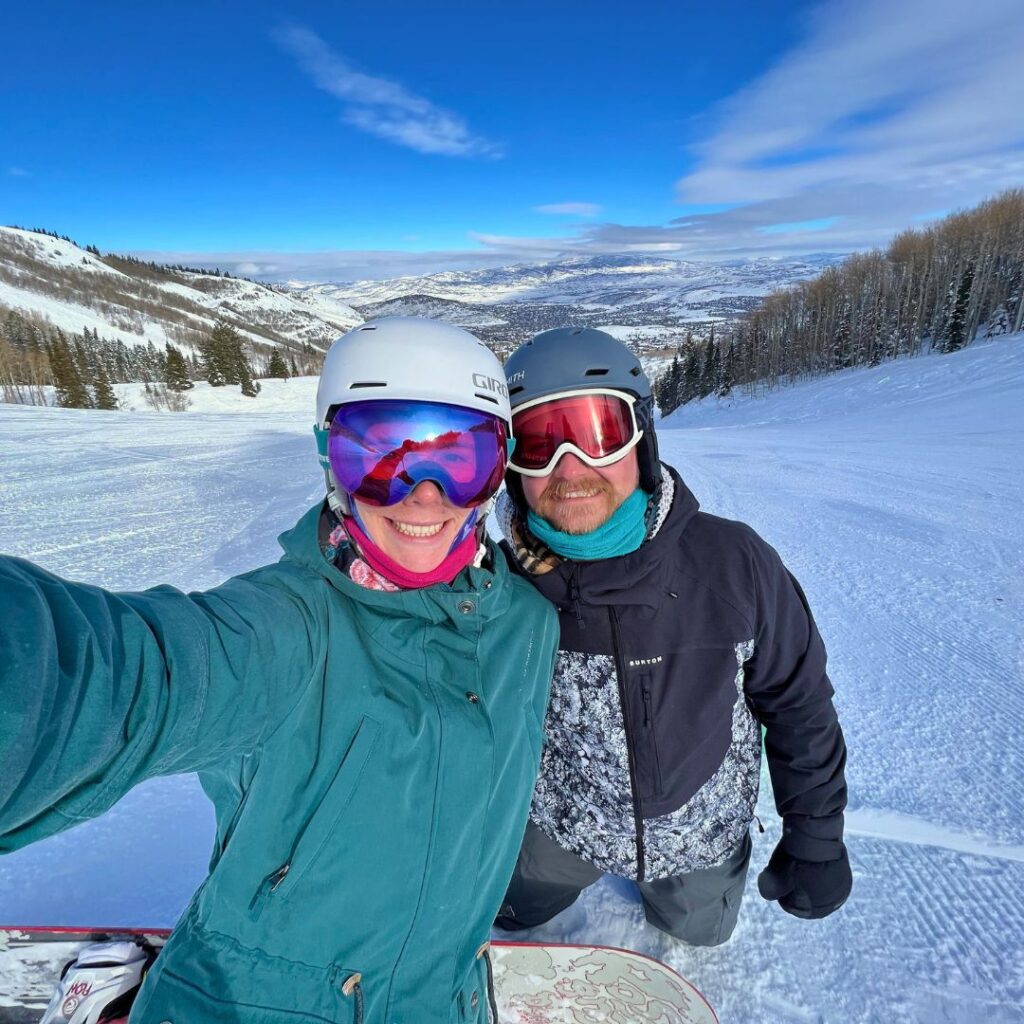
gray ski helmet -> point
(575, 358)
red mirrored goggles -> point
(599, 426)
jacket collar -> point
(636, 578)
(488, 590)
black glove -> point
(806, 888)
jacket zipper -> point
(620, 673)
(267, 886)
(342, 786)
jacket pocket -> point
(178, 1000)
(648, 762)
(320, 824)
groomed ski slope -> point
(896, 496)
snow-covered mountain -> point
(78, 289)
(649, 301)
(661, 296)
(894, 495)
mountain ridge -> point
(650, 300)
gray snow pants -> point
(700, 907)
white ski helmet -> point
(100, 983)
(406, 357)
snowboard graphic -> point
(560, 984)
(534, 984)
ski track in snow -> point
(893, 494)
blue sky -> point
(334, 141)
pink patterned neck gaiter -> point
(456, 560)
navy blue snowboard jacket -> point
(670, 660)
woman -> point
(365, 714)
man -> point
(681, 635)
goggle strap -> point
(323, 435)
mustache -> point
(559, 489)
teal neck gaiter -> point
(623, 533)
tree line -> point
(160, 268)
(933, 289)
(81, 368)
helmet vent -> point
(368, 384)
(635, 371)
(486, 398)
(596, 371)
(516, 389)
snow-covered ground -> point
(276, 396)
(896, 496)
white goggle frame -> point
(568, 446)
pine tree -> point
(214, 351)
(81, 357)
(728, 374)
(665, 388)
(709, 371)
(277, 366)
(250, 388)
(956, 324)
(689, 387)
(224, 359)
(233, 361)
(657, 388)
(229, 345)
(177, 371)
(105, 397)
(71, 391)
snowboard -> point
(533, 983)
(568, 984)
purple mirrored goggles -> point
(381, 449)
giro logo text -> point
(485, 383)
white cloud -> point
(571, 209)
(888, 110)
(519, 244)
(382, 107)
(339, 265)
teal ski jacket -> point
(370, 757)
